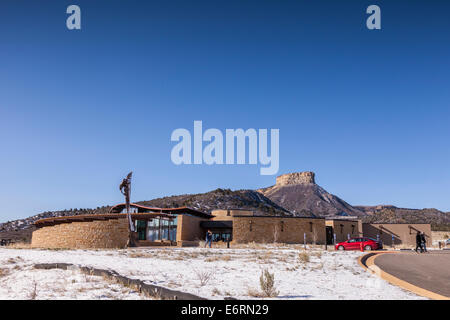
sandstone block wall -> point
(278, 229)
(188, 229)
(344, 228)
(83, 235)
(404, 234)
(227, 215)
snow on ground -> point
(212, 273)
(20, 281)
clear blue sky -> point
(368, 111)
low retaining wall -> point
(138, 285)
(111, 233)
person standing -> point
(208, 239)
(419, 242)
(424, 241)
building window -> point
(153, 232)
(310, 226)
(353, 229)
(173, 229)
(282, 226)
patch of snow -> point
(20, 281)
(228, 272)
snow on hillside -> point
(211, 273)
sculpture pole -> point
(125, 188)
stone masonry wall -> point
(189, 231)
(404, 233)
(278, 229)
(83, 235)
(345, 228)
(227, 215)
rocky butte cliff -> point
(299, 193)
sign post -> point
(304, 240)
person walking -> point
(208, 239)
(424, 241)
(419, 242)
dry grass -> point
(226, 258)
(318, 267)
(4, 272)
(304, 257)
(173, 284)
(156, 295)
(294, 268)
(283, 258)
(218, 258)
(17, 267)
(33, 291)
(140, 255)
(212, 259)
(19, 245)
(251, 292)
(14, 260)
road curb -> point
(367, 261)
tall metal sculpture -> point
(125, 188)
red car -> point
(355, 244)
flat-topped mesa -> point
(296, 178)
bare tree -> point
(275, 234)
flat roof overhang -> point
(96, 217)
(180, 210)
(216, 224)
(114, 213)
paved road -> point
(429, 271)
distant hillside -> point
(389, 214)
(298, 192)
(221, 199)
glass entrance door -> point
(162, 229)
(141, 228)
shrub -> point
(216, 291)
(203, 277)
(226, 258)
(267, 283)
(303, 257)
(4, 272)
